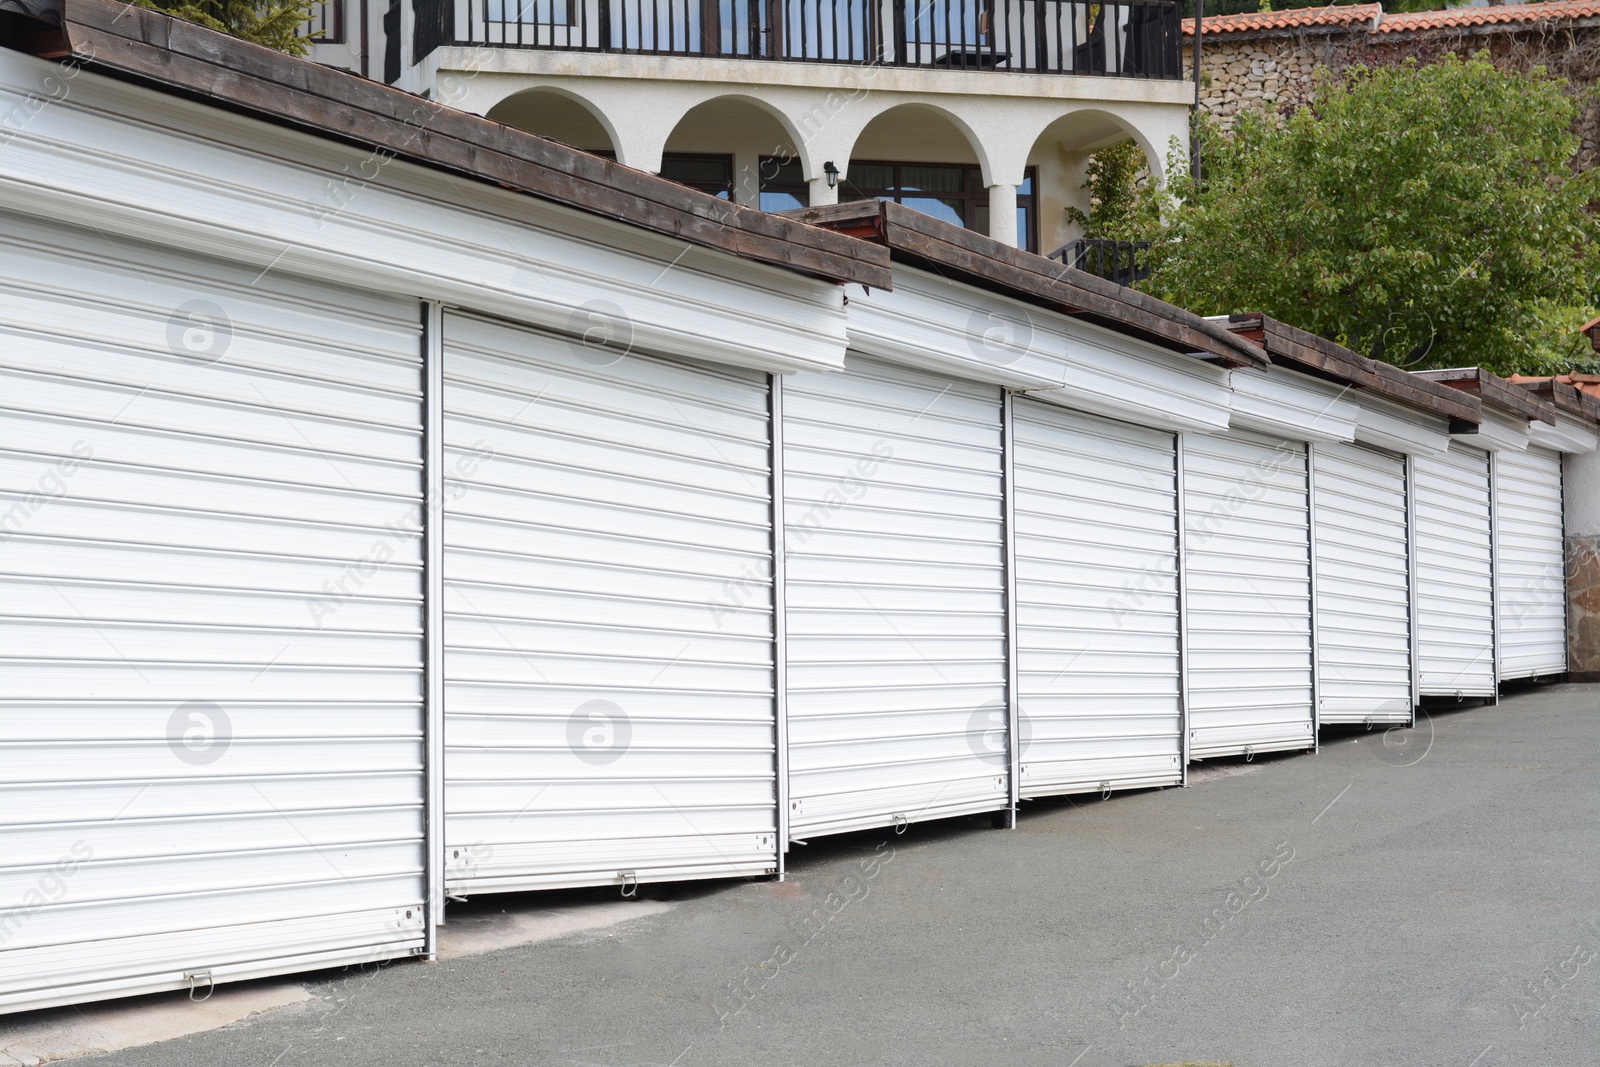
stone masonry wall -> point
(1276, 74)
(1583, 608)
(1264, 74)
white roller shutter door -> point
(211, 718)
(1530, 585)
(608, 630)
(1099, 669)
(1247, 571)
(1363, 585)
(896, 598)
(1455, 582)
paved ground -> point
(1432, 902)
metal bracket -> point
(1249, 753)
(1105, 790)
(901, 822)
(630, 883)
(195, 976)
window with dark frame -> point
(783, 185)
(953, 192)
(326, 24)
(703, 171)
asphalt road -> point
(1435, 901)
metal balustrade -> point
(1139, 40)
(326, 24)
(1123, 262)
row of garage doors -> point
(246, 551)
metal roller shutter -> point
(896, 598)
(608, 615)
(1455, 583)
(1363, 585)
(1248, 579)
(211, 712)
(1099, 666)
(1530, 575)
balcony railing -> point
(326, 24)
(1131, 39)
(1123, 262)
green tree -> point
(279, 24)
(1123, 201)
(1426, 215)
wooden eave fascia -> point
(955, 252)
(188, 60)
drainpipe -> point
(1194, 142)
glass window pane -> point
(689, 169)
(940, 208)
(781, 201)
(776, 171)
(709, 174)
(1024, 230)
(869, 178)
(924, 179)
(1026, 188)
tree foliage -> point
(1426, 215)
(277, 24)
(1123, 205)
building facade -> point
(978, 113)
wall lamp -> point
(833, 174)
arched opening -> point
(559, 116)
(735, 147)
(919, 156)
(1060, 157)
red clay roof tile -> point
(1489, 16)
(1371, 16)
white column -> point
(747, 178)
(820, 193)
(1003, 214)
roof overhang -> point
(1299, 350)
(955, 252)
(186, 59)
(1563, 397)
(1494, 391)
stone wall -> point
(1274, 73)
(1269, 74)
(1583, 608)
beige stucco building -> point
(979, 112)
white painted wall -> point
(652, 104)
(1581, 474)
